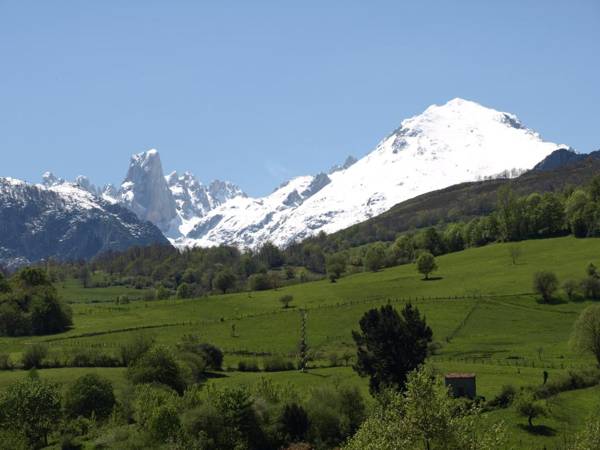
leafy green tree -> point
(260, 282)
(335, 266)
(34, 355)
(90, 395)
(432, 241)
(157, 366)
(48, 315)
(375, 257)
(133, 349)
(545, 283)
(425, 417)
(184, 291)
(571, 288)
(527, 406)
(224, 280)
(293, 423)
(285, 300)
(162, 293)
(405, 247)
(31, 407)
(589, 437)
(454, 237)
(271, 256)
(4, 286)
(155, 409)
(390, 345)
(586, 332)
(426, 264)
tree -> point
(90, 395)
(34, 355)
(589, 436)
(426, 264)
(390, 345)
(425, 417)
(545, 283)
(293, 423)
(270, 255)
(285, 300)
(375, 257)
(157, 366)
(335, 266)
(132, 350)
(224, 280)
(571, 288)
(515, 251)
(431, 241)
(184, 291)
(260, 282)
(31, 407)
(527, 406)
(586, 332)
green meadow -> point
(481, 308)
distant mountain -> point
(445, 145)
(563, 157)
(64, 221)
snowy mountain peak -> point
(146, 192)
(49, 179)
(447, 144)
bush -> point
(260, 282)
(33, 356)
(90, 395)
(135, 348)
(504, 398)
(277, 364)
(5, 362)
(545, 283)
(285, 300)
(571, 288)
(248, 366)
(293, 423)
(590, 287)
(157, 366)
(571, 381)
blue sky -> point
(256, 92)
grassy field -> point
(480, 306)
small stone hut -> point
(461, 384)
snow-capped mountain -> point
(64, 221)
(456, 142)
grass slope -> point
(480, 307)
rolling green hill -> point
(480, 305)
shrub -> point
(505, 397)
(571, 288)
(277, 364)
(90, 395)
(260, 282)
(33, 356)
(248, 366)
(285, 300)
(568, 382)
(590, 287)
(293, 423)
(5, 362)
(545, 283)
(32, 408)
(157, 366)
(135, 348)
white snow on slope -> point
(445, 145)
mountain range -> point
(460, 141)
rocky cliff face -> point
(64, 221)
(146, 192)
